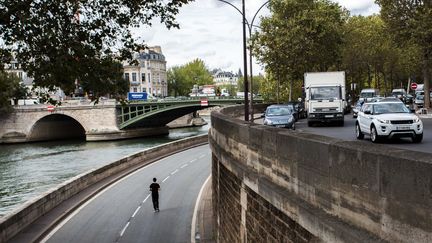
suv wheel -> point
(417, 138)
(359, 133)
(374, 135)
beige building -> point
(150, 74)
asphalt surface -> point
(124, 213)
(347, 132)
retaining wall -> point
(17, 220)
(278, 185)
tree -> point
(10, 88)
(299, 36)
(61, 42)
(182, 78)
(410, 22)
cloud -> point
(212, 31)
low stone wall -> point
(14, 222)
(277, 185)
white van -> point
(367, 95)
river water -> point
(28, 170)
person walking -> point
(154, 188)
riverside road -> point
(124, 213)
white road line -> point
(202, 156)
(145, 199)
(192, 160)
(183, 166)
(172, 173)
(136, 211)
(193, 229)
(165, 179)
(124, 229)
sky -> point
(212, 31)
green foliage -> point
(182, 78)
(59, 42)
(299, 36)
(410, 23)
(10, 88)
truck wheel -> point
(359, 133)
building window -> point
(135, 90)
(134, 77)
(150, 90)
(126, 76)
(144, 90)
(142, 77)
(149, 78)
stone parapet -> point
(277, 185)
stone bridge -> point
(106, 121)
(278, 185)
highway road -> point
(123, 212)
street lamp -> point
(246, 84)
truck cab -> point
(325, 97)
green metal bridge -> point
(160, 113)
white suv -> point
(388, 119)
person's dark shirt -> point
(154, 188)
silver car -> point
(279, 116)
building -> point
(149, 74)
(15, 68)
(224, 78)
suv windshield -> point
(384, 108)
(278, 111)
(325, 93)
(367, 95)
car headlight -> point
(268, 122)
(290, 120)
(383, 121)
(416, 120)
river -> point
(28, 170)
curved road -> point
(123, 212)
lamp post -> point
(246, 84)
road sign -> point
(50, 108)
(414, 86)
(204, 102)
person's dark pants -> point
(155, 199)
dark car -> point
(299, 111)
(279, 116)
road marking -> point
(202, 156)
(145, 199)
(124, 229)
(192, 161)
(193, 226)
(136, 211)
(172, 173)
(183, 166)
(165, 179)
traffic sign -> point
(414, 86)
(50, 108)
(204, 102)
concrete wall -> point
(16, 221)
(277, 185)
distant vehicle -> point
(400, 94)
(298, 109)
(26, 102)
(419, 100)
(325, 97)
(279, 116)
(368, 94)
(388, 119)
(357, 108)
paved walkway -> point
(205, 222)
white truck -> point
(325, 97)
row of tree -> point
(381, 51)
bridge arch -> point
(56, 126)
